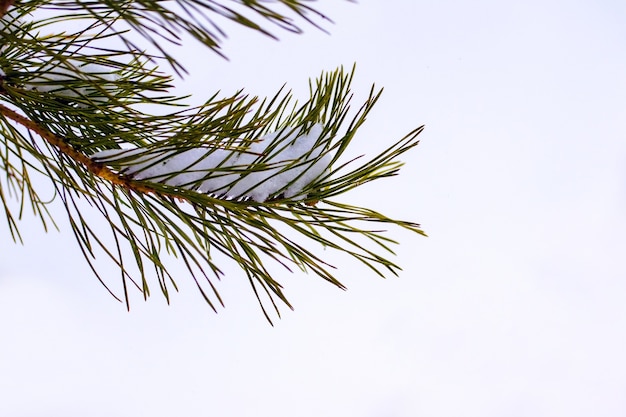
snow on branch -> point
(281, 164)
(65, 78)
(72, 79)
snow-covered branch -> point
(283, 163)
(196, 185)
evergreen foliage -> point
(99, 85)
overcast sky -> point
(513, 306)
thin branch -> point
(95, 168)
(4, 6)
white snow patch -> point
(290, 161)
(272, 165)
(57, 78)
(62, 77)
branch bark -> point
(4, 6)
(95, 168)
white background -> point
(514, 306)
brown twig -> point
(95, 168)
(4, 6)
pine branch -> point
(96, 169)
(74, 114)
